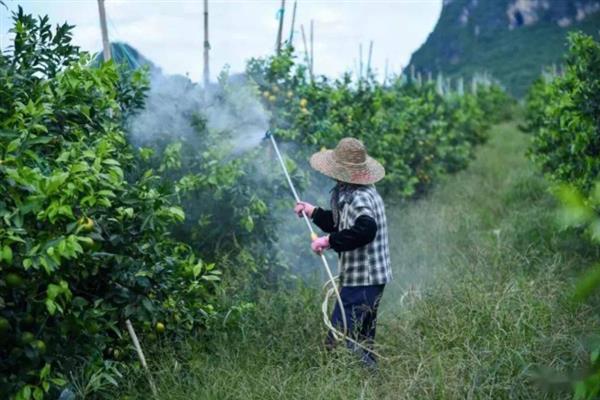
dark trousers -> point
(360, 309)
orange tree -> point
(199, 143)
(563, 116)
(416, 133)
(84, 243)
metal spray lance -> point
(313, 234)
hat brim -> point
(366, 174)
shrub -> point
(416, 133)
(83, 246)
(564, 116)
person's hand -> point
(304, 206)
(320, 244)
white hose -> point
(330, 285)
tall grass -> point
(479, 307)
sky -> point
(170, 32)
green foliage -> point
(564, 117)
(416, 133)
(580, 211)
(83, 244)
(219, 175)
(563, 114)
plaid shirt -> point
(369, 264)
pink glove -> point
(306, 207)
(320, 244)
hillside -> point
(511, 39)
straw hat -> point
(348, 162)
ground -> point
(480, 306)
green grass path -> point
(478, 308)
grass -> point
(479, 307)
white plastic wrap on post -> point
(140, 353)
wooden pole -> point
(290, 41)
(306, 58)
(385, 73)
(312, 48)
(206, 71)
(369, 59)
(281, 12)
(360, 61)
(104, 30)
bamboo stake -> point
(440, 84)
(206, 47)
(140, 353)
(280, 29)
(104, 30)
(369, 59)
(360, 61)
(290, 41)
(461, 86)
(312, 48)
(306, 58)
(385, 73)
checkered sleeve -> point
(362, 204)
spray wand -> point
(313, 236)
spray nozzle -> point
(268, 134)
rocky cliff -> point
(510, 39)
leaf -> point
(51, 306)
(7, 254)
(79, 167)
(587, 284)
(38, 393)
(13, 145)
(39, 128)
(24, 393)
(574, 210)
(197, 269)
(110, 161)
(55, 181)
(147, 304)
(174, 212)
(594, 355)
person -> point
(356, 228)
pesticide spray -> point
(331, 285)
